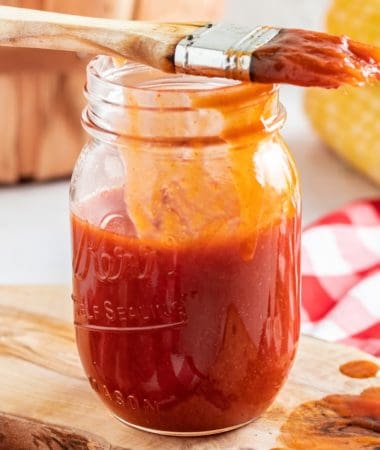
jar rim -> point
(132, 101)
(106, 71)
(195, 83)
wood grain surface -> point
(41, 378)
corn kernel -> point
(348, 119)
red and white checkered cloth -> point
(341, 277)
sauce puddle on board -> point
(336, 422)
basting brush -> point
(262, 54)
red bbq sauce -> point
(186, 337)
(311, 58)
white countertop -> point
(34, 218)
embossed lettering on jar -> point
(185, 218)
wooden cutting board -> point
(41, 378)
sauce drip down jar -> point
(185, 212)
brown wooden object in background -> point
(41, 91)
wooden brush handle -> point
(146, 42)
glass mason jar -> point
(185, 211)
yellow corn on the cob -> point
(348, 119)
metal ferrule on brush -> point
(204, 51)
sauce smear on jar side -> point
(184, 337)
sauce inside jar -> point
(185, 338)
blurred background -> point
(40, 133)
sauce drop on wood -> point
(359, 369)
